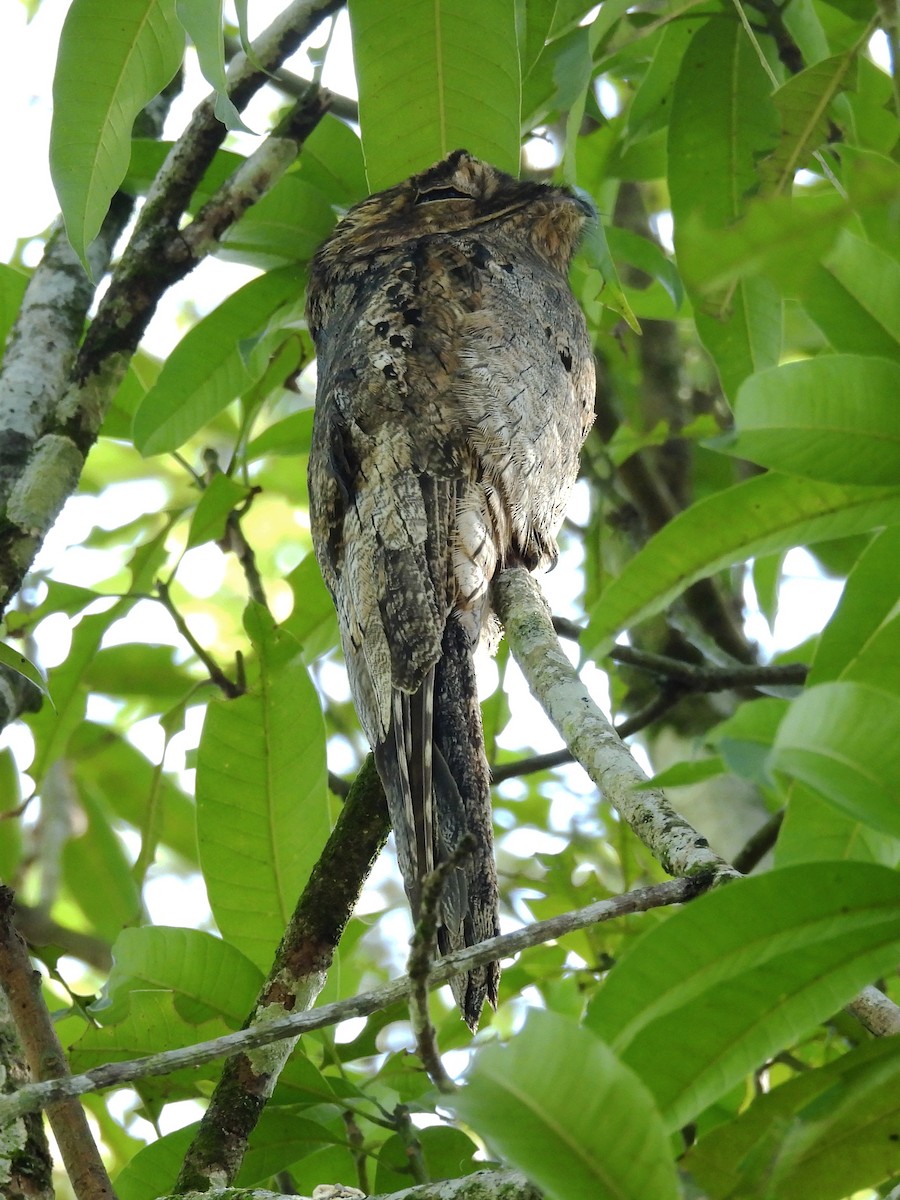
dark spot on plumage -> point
(412, 316)
(566, 359)
(381, 328)
(481, 256)
(397, 341)
(508, 267)
(390, 371)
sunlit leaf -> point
(262, 808)
(133, 52)
(425, 59)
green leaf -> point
(802, 104)
(292, 435)
(313, 622)
(262, 804)
(14, 661)
(206, 370)
(152, 1024)
(285, 226)
(759, 516)
(832, 418)
(529, 1100)
(595, 251)
(12, 291)
(871, 277)
(208, 977)
(843, 740)
(133, 52)
(722, 120)
(861, 642)
(332, 162)
(727, 982)
(815, 831)
(828, 1133)
(219, 499)
(202, 21)
(647, 256)
(427, 59)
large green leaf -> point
(133, 49)
(722, 121)
(722, 985)
(828, 1133)
(771, 512)
(843, 740)
(834, 417)
(12, 289)
(95, 866)
(861, 642)
(207, 370)
(262, 805)
(418, 67)
(208, 977)
(558, 1105)
(815, 831)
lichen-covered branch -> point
(675, 844)
(296, 978)
(483, 1185)
(45, 1057)
(40, 1095)
(876, 1012)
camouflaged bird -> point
(455, 390)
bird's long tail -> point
(437, 783)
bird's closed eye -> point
(441, 193)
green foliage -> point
(748, 395)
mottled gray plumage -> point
(456, 387)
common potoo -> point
(455, 390)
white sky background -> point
(28, 206)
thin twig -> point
(216, 674)
(40, 1095)
(694, 677)
(45, 1056)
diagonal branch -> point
(675, 844)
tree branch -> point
(675, 844)
(40, 1095)
(483, 1185)
(297, 976)
(45, 1056)
(26, 1167)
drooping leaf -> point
(425, 59)
(202, 21)
(133, 51)
(529, 1100)
(262, 809)
(771, 512)
(220, 497)
(725, 983)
